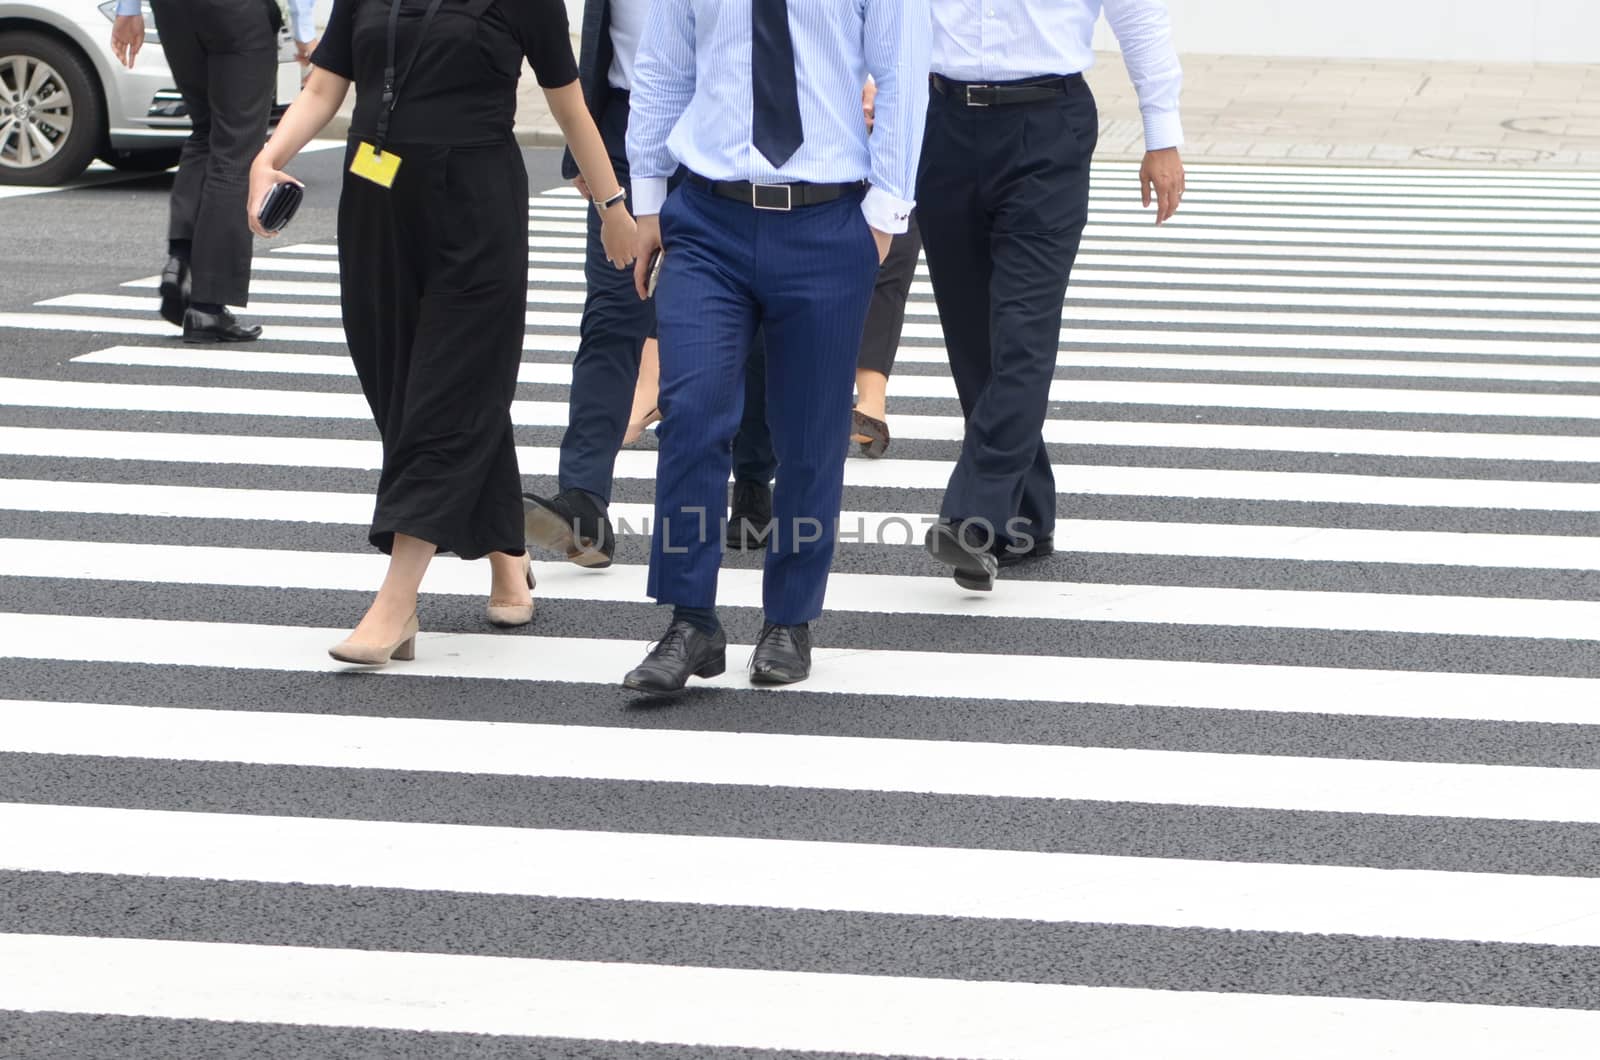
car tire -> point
(143, 160)
(69, 89)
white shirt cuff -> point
(1162, 129)
(885, 212)
(126, 8)
(648, 195)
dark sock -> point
(702, 618)
(179, 248)
(206, 307)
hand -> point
(1162, 171)
(617, 234)
(884, 240)
(304, 49)
(646, 242)
(127, 37)
(583, 188)
(869, 102)
(263, 178)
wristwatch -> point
(620, 196)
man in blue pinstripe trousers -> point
(786, 211)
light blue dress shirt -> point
(693, 100)
(1008, 40)
(302, 16)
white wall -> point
(1561, 31)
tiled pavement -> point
(1341, 111)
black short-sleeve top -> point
(462, 86)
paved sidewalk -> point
(1345, 112)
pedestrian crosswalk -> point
(1289, 751)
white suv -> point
(65, 100)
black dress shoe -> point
(750, 517)
(782, 655)
(964, 548)
(683, 652)
(175, 285)
(573, 524)
(1043, 548)
(200, 327)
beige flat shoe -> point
(514, 615)
(404, 649)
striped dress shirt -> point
(693, 99)
(1008, 40)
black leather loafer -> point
(199, 327)
(782, 655)
(572, 524)
(175, 285)
(683, 652)
(750, 517)
(1043, 548)
(962, 547)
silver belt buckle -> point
(970, 101)
(771, 203)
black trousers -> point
(887, 317)
(224, 57)
(606, 368)
(1003, 195)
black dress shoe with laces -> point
(966, 550)
(782, 655)
(1043, 548)
(683, 652)
(203, 327)
(175, 285)
(573, 524)
(750, 517)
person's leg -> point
(607, 364)
(180, 42)
(396, 602)
(706, 319)
(955, 234)
(814, 287)
(753, 458)
(1039, 198)
(885, 322)
(241, 74)
(646, 392)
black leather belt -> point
(780, 197)
(1005, 93)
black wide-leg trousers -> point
(1003, 195)
(434, 277)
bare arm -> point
(594, 162)
(307, 116)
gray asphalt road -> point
(1301, 718)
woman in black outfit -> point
(433, 270)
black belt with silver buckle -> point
(1006, 93)
(780, 197)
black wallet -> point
(280, 204)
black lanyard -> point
(392, 84)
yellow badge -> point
(380, 169)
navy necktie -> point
(776, 133)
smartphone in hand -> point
(653, 274)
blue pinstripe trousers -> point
(806, 278)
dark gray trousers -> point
(223, 55)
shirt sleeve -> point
(336, 53)
(303, 19)
(897, 38)
(663, 86)
(541, 25)
(130, 7)
(1144, 30)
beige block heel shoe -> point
(517, 614)
(404, 649)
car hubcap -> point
(35, 112)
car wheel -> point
(143, 160)
(52, 119)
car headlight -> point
(152, 35)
